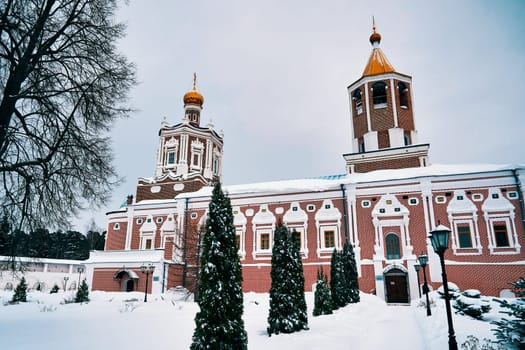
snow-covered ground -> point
(124, 321)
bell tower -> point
(189, 156)
(383, 128)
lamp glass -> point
(152, 268)
(143, 268)
(423, 259)
(417, 267)
(439, 239)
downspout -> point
(185, 262)
(344, 213)
(163, 276)
(520, 197)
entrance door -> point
(396, 286)
(129, 285)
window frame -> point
(379, 101)
(397, 247)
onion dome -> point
(193, 97)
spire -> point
(194, 81)
(377, 63)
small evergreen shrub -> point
(20, 294)
(473, 343)
(511, 331)
(55, 289)
(323, 299)
(82, 295)
(453, 291)
(472, 306)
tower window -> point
(361, 146)
(403, 94)
(379, 94)
(171, 157)
(407, 140)
(392, 246)
(358, 101)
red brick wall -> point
(399, 163)
(103, 279)
(116, 239)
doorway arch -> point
(396, 285)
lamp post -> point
(423, 259)
(417, 267)
(439, 238)
(80, 269)
(147, 270)
(66, 278)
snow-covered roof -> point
(44, 260)
(125, 256)
(324, 183)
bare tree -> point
(62, 86)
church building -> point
(386, 203)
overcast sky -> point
(274, 75)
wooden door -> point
(396, 286)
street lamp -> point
(423, 260)
(417, 267)
(439, 238)
(80, 269)
(147, 270)
(66, 278)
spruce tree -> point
(219, 324)
(337, 280)
(20, 292)
(323, 299)
(511, 330)
(287, 312)
(350, 272)
(82, 295)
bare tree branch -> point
(62, 86)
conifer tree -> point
(350, 272)
(323, 299)
(219, 324)
(511, 330)
(287, 312)
(337, 281)
(82, 295)
(20, 292)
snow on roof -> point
(324, 183)
(43, 260)
(125, 256)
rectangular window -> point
(500, 233)
(299, 237)
(464, 237)
(238, 241)
(329, 239)
(171, 157)
(148, 244)
(265, 241)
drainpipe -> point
(163, 276)
(520, 197)
(185, 262)
(344, 213)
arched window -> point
(358, 101)
(379, 94)
(392, 246)
(403, 94)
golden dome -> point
(193, 97)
